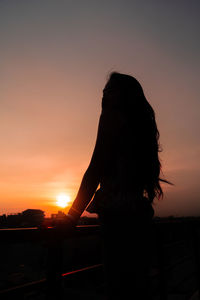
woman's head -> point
(123, 92)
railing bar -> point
(26, 285)
(177, 287)
(42, 281)
(178, 262)
(173, 243)
(82, 270)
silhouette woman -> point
(125, 163)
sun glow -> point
(62, 200)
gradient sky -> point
(55, 57)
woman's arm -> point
(107, 130)
(91, 177)
(87, 188)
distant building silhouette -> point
(59, 215)
(28, 218)
(33, 217)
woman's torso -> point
(120, 190)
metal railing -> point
(164, 234)
(54, 243)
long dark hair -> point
(142, 126)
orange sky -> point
(55, 58)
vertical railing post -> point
(196, 244)
(161, 262)
(54, 267)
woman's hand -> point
(64, 224)
(61, 228)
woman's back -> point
(119, 192)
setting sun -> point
(62, 200)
